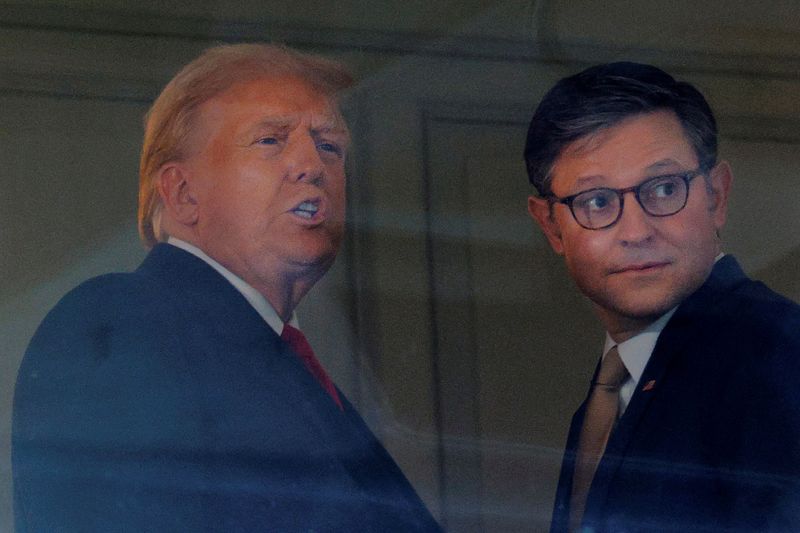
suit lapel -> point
(269, 392)
(564, 491)
(673, 338)
(225, 323)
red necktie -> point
(298, 343)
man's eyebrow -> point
(334, 129)
(667, 163)
(329, 125)
(281, 122)
(588, 179)
(326, 126)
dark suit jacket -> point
(714, 445)
(161, 401)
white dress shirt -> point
(256, 299)
(635, 353)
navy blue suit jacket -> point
(711, 439)
(161, 401)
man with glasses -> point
(692, 420)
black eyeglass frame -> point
(687, 177)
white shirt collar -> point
(255, 298)
(636, 351)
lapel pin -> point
(650, 385)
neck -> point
(623, 328)
(287, 284)
(282, 288)
(284, 297)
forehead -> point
(629, 150)
(286, 100)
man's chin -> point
(647, 310)
(312, 247)
(317, 260)
(633, 315)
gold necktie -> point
(601, 414)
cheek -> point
(585, 249)
(337, 189)
(695, 234)
(340, 196)
(243, 208)
(585, 259)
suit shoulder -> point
(756, 334)
(743, 329)
(99, 317)
(103, 343)
(104, 293)
(765, 313)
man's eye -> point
(267, 140)
(598, 202)
(330, 147)
(593, 202)
(663, 189)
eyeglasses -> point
(600, 208)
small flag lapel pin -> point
(650, 385)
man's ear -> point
(719, 187)
(177, 194)
(541, 211)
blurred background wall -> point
(446, 318)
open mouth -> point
(307, 209)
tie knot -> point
(294, 338)
(612, 370)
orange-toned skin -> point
(259, 150)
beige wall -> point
(446, 318)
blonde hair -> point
(170, 119)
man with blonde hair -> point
(182, 396)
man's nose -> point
(634, 225)
(304, 161)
